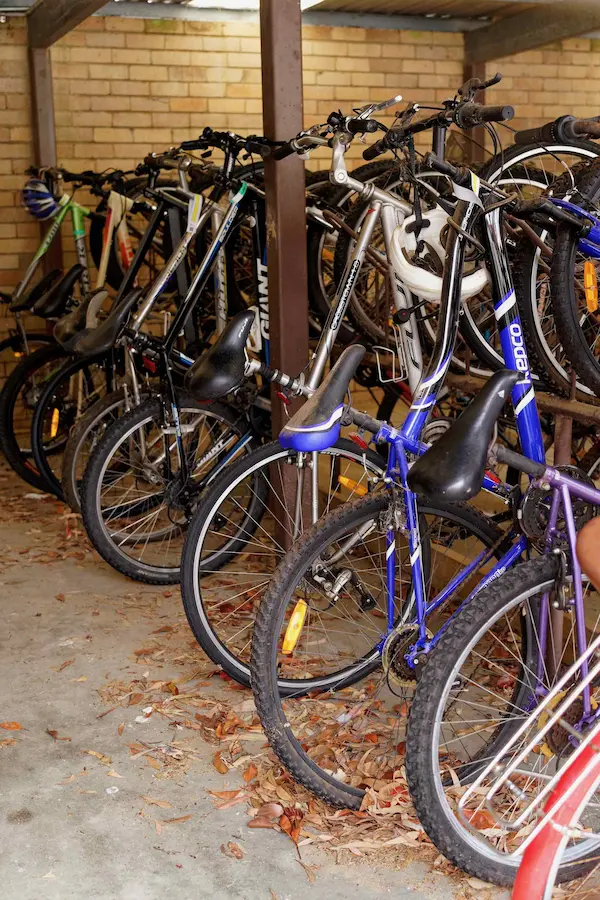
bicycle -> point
(415, 606)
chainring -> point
(534, 512)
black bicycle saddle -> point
(454, 467)
(44, 284)
(316, 425)
(102, 338)
(221, 368)
(54, 301)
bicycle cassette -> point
(534, 512)
(397, 644)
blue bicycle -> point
(359, 604)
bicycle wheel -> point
(18, 399)
(478, 687)
(329, 595)
(135, 504)
(239, 535)
(84, 437)
(76, 386)
(577, 319)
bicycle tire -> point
(267, 629)
(567, 309)
(18, 459)
(207, 512)
(148, 411)
(442, 826)
(89, 423)
(41, 454)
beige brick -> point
(182, 42)
(127, 88)
(118, 23)
(88, 87)
(349, 34)
(226, 105)
(351, 64)
(334, 78)
(167, 89)
(369, 79)
(130, 57)
(171, 57)
(214, 89)
(163, 26)
(147, 41)
(109, 104)
(113, 71)
(192, 27)
(148, 73)
(152, 135)
(108, 135)
(105, 40)
(244, 60)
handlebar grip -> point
(256, 147)
(560, 129)
(363, 420)
(375, 150)
(472, 114)
(193, 145)
(361, 126)
(284, 151)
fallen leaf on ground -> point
(120, 728)
(310, 872)
(7, 742)
(176, 821)
(219, 764)
(114, 774)
(67, 662)
(250, 773)
(81, 678)
(105, 760)
(73, 777)
(225, 795)
(60, 597)
(232, 850)
(56, 736)
(164, 804)
(10, 726)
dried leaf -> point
(67, 662)
(250, 773)
(232, 850)
(55, 735)
(113, 774)
(225, 795)
(219, 764)
(164, 804)
(10, 726)
(81, 678)
(60, 597)
(6, 742)
(73, 777)
(180, 819)
(105, 760)
(121, 728)
(310, 872)
(145, 651)
(171, 687)
(153, 763)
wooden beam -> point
(545, 24)
(44, 139)
(281, 48)
(49, 20)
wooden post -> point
(44, 140)
(281, 47)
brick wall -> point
(126, 86)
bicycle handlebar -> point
(564, 129)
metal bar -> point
(281, 44)
(44, 140)
(49, 20)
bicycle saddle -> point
(454, 467)
(99, 340)
(70, 325)
(221, 368)
(44, 284)
(54, 301)
(317, 424)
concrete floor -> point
(70, 827)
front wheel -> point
(329, 675)
(135, 501)
(240, 531)
(478, 688)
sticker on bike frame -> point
(194, 211)
(469, 195)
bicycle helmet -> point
(419, 262)
(38, 199)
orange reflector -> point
(590, 284)
(359, 489)
(292, 632)
(54, 423)
(17, 354)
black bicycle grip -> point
(375, 150)
(283, 151)
(362, 420)
(470, 115)
(520, 463)
(196, 144)
(253, 146)
(558, 130)
(361, 126)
